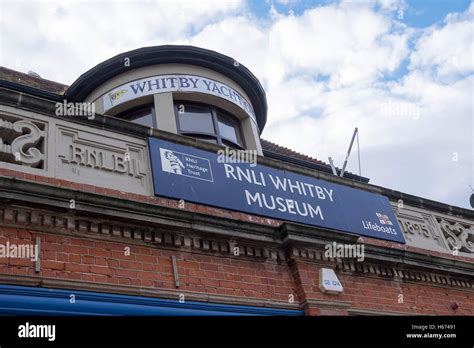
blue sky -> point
(414, 13)
(417, 13)
(401, 71)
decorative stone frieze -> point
(459, 236)
(22, 141)
(433, 231)
(62, 149)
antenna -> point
(358, 153)
(331, 162)
(348, 152)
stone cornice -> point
(375, 268)
(48, 196)
(303, 234)
(308, 243)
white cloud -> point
(351, 44)
(447, 51)
(392, 5)
(62, 40)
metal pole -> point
(333, 167)
(358, 154)
(348, 152)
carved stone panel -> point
(22, 141)
(460, 237)
(438, 232)
(102, 158)
(419, 229)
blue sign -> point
(200, 176)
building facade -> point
(106, 208)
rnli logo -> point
(115, 96)
(171, 163)
(186, 165)
(384, 219)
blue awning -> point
(22, 300)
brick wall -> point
(101, 262)
(109, 262)
(383, 295)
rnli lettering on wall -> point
(195, 175)
(175, 83)
(102, 159)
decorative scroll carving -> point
(432, 231)
(458, 236)
(22, 142)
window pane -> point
(143, 117)
(195, 119)
(229, 130)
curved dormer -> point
(180, 89)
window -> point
(196, 118)
(144, 115)
(208, 123)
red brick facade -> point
(87, 255)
